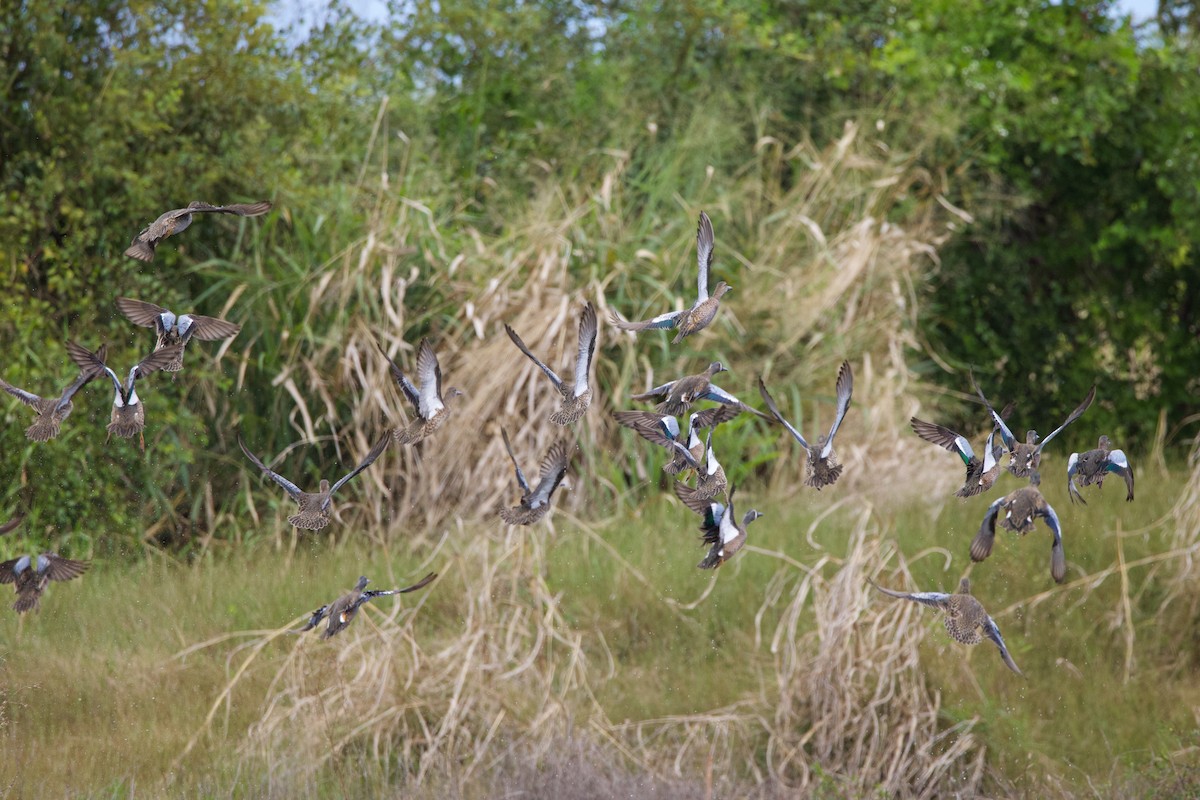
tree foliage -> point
(1068, 138)
(1084, 271)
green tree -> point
(1083, 271)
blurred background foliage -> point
(1047, 148)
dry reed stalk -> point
(853, 702)
(1186, 512)
(432, 712)
(833, 278)
(850, 704)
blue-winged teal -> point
(577, 396)
(663, 430)
(173, 222)
(1025, 458)
(172, 329)
(341, 612)
(1092, 466)
(427, 400)
(682, 392)
(710, 475)
(314, 506)
(51, 411)
(128, 417)
(981, 472)
(1021, 508)
(536, 502)
(720, 529)
(823, 468)
(32, 574)
(704, 309)
(965, 618)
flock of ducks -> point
(965, 618)
(672, 425)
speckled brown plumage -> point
(823, 467)
(50, 412)
(981, 472)
(172, 329)
(32, 574)
(576, 395)
(1092, 466)
(341, 612)
(426, 399)
(535, 502)
(314, 511)
(143, 246)
(682, 392)
(128, 418)
(704, 310)
(1020, 509)
(1026, 457)
(965, 618)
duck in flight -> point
(172, 222)
(576, 396)
(128, 418)
(341, 612)
(663, 430)
(535, 502)
(704, 310)
(52, 411)
(682, 392)
(1094, 465)
(720, 529)
(315, 506)
(981, 472)
(32, 574)
(965, 618)
(1021, 508)
(427, 399)
(175, 329)
(823, 468)
(1024, 458)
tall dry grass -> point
(846, 709)
(825, 245)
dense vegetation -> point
(1059, 138)
(923, 188)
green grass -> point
(97, 675)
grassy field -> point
(598, 653)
